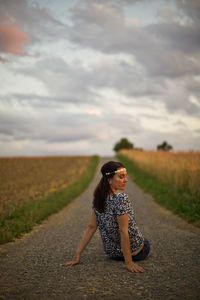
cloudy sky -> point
(77, 76)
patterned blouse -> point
(117, 205)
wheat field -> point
(179, 168)
(24, 179)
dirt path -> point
(30, 268)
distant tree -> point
(164, 146)
(124, 143)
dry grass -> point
(181, 169)
(24, 179)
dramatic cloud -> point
(69, 84)
(22, 22)
(103, 27)
(190, 9)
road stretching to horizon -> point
(30, 268)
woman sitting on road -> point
(113, 215)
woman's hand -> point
(74, 262)
(134, 267)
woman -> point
(113, 215)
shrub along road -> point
(30, 267)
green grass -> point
(181, 202)
(21, 220)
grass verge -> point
(179, 201)
(22, 219)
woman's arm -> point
(125, 244)
(88, 234)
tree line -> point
(124, 143)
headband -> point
(117, 171)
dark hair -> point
(103, 188)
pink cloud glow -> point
(93, 111)
(13, 39)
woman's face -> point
(118, 181)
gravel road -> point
(30, 267)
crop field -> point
(180, 168)
(24, 179)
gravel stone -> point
(30, 268)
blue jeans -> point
(141, 255)
(144, 252)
